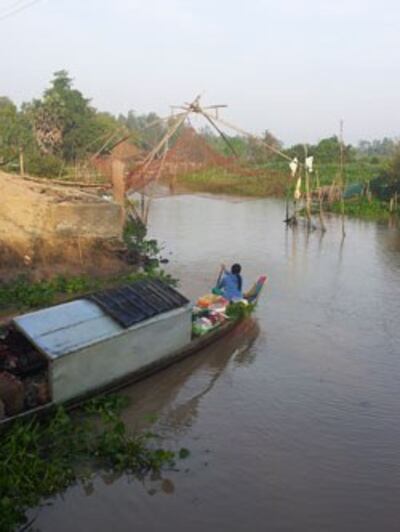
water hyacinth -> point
(39, 459)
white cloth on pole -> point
(293, 166)
(297, 192)
(309, 163)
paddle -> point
(221, 272)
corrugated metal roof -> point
(65, 328)
(138, 301)
(68, 327)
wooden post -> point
(368, 193)
(172, 177)
(21, 161)
(142, 205)
(342, 177)
(118, 182)
(287, 204)
(321, 210)
(156, 180)
(331, 192)
(307, 183)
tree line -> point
(62, 128)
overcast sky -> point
(293, 67)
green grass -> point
(23, 294)
(274, 184)
(275, 180)
(354, 172)
(40, 459)
(217, 181)
(361, 207)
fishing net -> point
(191, 153)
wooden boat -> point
(70, 352)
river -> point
(293, 422)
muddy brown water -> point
(293, 422)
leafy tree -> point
(250, 149)
(326, 151)
(297, 150)
(380, 148)
(65, 124)
(15, 131)
(260, 153)
(148, 127)
(392, 171)
(388, 182)
(9, 139)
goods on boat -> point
(66, 353)
(208, 313)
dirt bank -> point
(47, 228)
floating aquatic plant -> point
(39, 459)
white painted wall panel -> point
(131, 350)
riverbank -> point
(217, 181)
(23, 294)
(270, 180)
(39, 459)
(274, 184)
(354, 172)
(33, 288)
(364, 208)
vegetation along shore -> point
(40, 458)
(62, 137)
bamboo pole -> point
(320, 199)
(296, 196)
(287, 219)
(290, 219)
(222, 134)
(342, 177)
(21, 161)
(128, 135)
(105, 144)
(72, 184)
(317, 179)
(149, 159)
(157, 178)
(250, 135)
(307, 185)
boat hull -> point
(119, 383)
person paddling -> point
(229, 284)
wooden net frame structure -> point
(182, 150)
(190, 153)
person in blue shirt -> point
(230, 283)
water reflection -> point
(169, 395)
(300, 430)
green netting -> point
(355, 189)
(383, 189)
